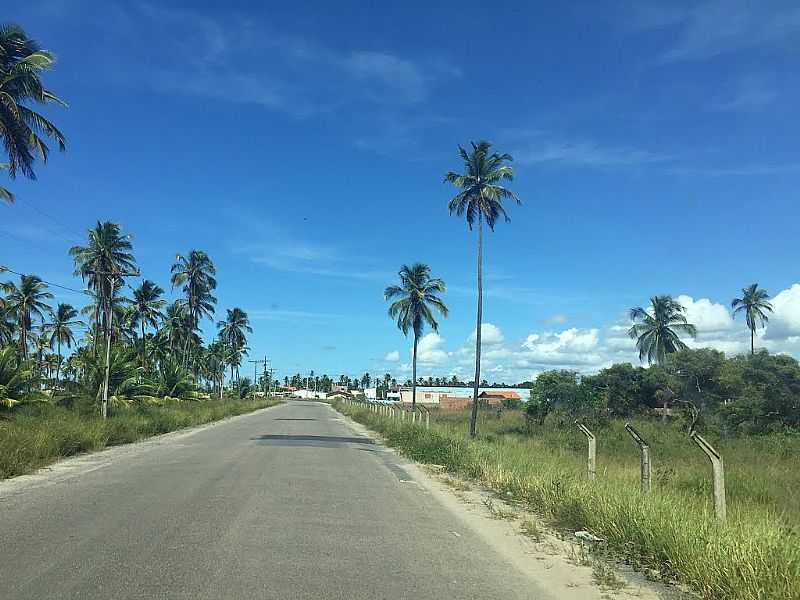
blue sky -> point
(303, 147)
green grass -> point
(755, 556)
(37, 435)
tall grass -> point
(754, 556)
(37, 435)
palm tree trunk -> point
(473, 420)
(96, 328)
(23, 337)
(58, 365)
(752, 342)
(414, 375)
(144, 348)
(104, 405)
(186, 345)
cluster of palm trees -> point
(144, 346)
(658, 329)
(479, 200)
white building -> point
(309, 394)
(371, 393)
(423, 396)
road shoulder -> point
(565, 568)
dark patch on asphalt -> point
(291, 419)
(398, 471)
(322, 441)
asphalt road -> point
(286, 503)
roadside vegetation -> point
(38, 435)
(671, 534)
(126, 365)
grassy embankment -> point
(37, 435)
(671, 532)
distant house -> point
(495, 399)
(426, 397)
(500, 394)
(454, 402)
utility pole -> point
(112, 277)
(255, 372)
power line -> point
(4, 269)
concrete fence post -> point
(592, 463)
(718, 470)
(644, 450)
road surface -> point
(285, 503)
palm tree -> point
(60, 330)
(7, 325)
(657, 331)
(413, 300)
(175, 324)
(481, 197)
(755, 306)
(4, 193)
(107, 256)
(21, 129)
(196, 273)
(25, 302)
(146, 309)
(216, 361)
(16, 378)
(233, 332)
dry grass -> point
(672, 532)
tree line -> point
(147, 348)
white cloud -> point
(784, 322)
(392, 356)
(429, 350)
(557, 319)
(705, 315)
(542, 148)
(713, 27)
(566, 349)
(490, 335)
(588, 350)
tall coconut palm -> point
(233, 332)
(59, 330)
(657, 330)
(146, 310)
(107, 254)
(755, 306)
(22, 62)
(481, 198)
(22, 129)
(412, 302)
(195, 272)
(24, 302)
